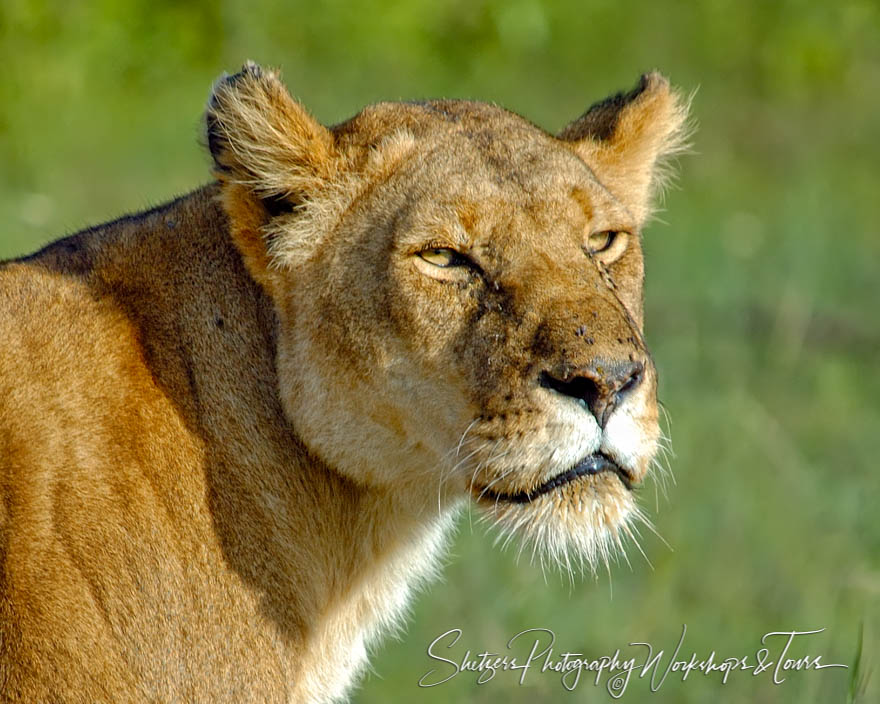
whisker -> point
(464, 434)
(632, 536)
(645, 521)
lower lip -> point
(592, 464)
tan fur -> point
(234, 430)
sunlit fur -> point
(235, 430)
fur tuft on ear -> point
(628, 139)
(270, 157)
(262, 138)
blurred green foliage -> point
(762, 298)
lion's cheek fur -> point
(388, 429)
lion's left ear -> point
(626, 137)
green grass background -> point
(762, 294)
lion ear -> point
(626, 139)
(269, 155)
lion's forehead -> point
(459, 136)
(431, 117)
(523, 164)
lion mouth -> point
(589, 465)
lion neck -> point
(322, 554)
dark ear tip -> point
(251, 68)
(600, 120)
(248, 70)
(651, 81)
(647, 81)
(223, 84)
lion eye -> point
(601, 241)
(607, 246)
(443, 257)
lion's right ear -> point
(269, 155)
(627, 138)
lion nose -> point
(600, 386)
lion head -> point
(459, 297)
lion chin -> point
(576, 520)
(573, 527)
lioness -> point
(235, 429)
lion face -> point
(460, 301)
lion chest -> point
(337, 649)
